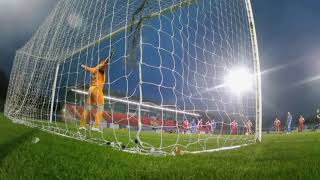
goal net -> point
(170, 85)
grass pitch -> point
(294, 156)
(165, 142)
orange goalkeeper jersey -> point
(97, 76)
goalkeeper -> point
(96, 95)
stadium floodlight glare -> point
(239, 80)
(137, 103)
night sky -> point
(289, 45)
(289, 41)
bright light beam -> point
(137, 103)
(239, 80)
(304, 81)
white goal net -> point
(173, 83)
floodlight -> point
(239, 80)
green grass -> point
(294, 156)
(187, 142)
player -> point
(213, 126)
(193, 126)
(318, 118)
(289, 120)
(199, 126)
(208, 127)
(185, 126)
(301, 123)
(234, 127)
(96, 95)
(277, 124)
(248, 127)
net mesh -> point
(164, 90)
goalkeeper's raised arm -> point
(104, 62)
(87, 68)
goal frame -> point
(256, 62)
(252, 52)
(255, 56)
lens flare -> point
(239, 80)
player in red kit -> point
(301, 123)
(199, 126)
(248, 127)
(208, 127)
(277, 124)
(234, 127)
(185, 126)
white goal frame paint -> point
(256, 60)
(140, 104)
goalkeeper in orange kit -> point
(95, 97)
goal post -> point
(256, 59)
(53, 92)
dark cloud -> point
(19, 19)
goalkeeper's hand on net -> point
(111, 52)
